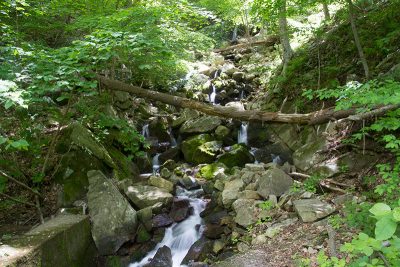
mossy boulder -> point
(72, 176)
(221, 132)
(239, 155)
(200, 125)
(211, 170)
(125, 168)
(200, 149)
(187, 114)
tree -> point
(284, 35)
(363, 59)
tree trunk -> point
(318, 117)
(326, 10)
(284, 36)
(357, 39)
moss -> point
(209, 171)
(195, 150)
(238, 156)
(125, 168)
(142, 235)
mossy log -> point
(313, 118)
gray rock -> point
(145, 196)
(201, 125)
(114, 221)
(310, 210)
(249, 194)
(340, 200)
(274, 182)
(231, 192)
(163, 258)
(255, 167)
(244, 209)
(159, 182)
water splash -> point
(242, 135)
(276, 159)
(179, 237)
(174, 143)
(253, 151)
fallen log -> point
(269, 41)
(313, 118)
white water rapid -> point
(179, 237)
(242, 135)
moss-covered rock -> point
(72, 176)
(221, 132)
(125, 168)
(238, 156)
(201, 125)
(211, 170)
(196, 150)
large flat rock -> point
(63, 241)
(145, 196)
(114, 220)
(310, 210)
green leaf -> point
(8, 104)
(396, 214)
(21, 144)
(3, 140)
(380, 209)
(385, 228)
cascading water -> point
(253, 151)
(242, 135)
(276, 159)
(174, 143)
(146, 131)
(180, 236)
(156, 163)
(213, 95)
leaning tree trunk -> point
(284, 36)
(312, 118)
(326, 10)
(357, 38)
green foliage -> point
(266, 205)
(311, 184)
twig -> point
(332, 188)
(337, 183)
(387, 264)
(19, 183)
(17, 200)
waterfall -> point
(156, 163)
(213, 94)
(179, 237)
(241, 95)
(276, 159)
(234, 35)
(174, 143)
(145, 131)
(242, 135)
(253, 151)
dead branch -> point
(270, 41)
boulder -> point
(307, 157)
(238, 76)
(249, 194)
(161, 220)
(221, 132)
(194, 149)
(231, 192)
(162, 258)
(189, 182)
(200, 125)
(310, 210)
(173, 153)
(125, 168)
(159, 182)
(199, 251)
(180, 209)
(145, 196)
(274, 182)
(145, 215)
(114, 221)
(186, 115)
(244, 209)
(72, 175)
(213, 231)
(238, 156)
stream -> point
(179, 237)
